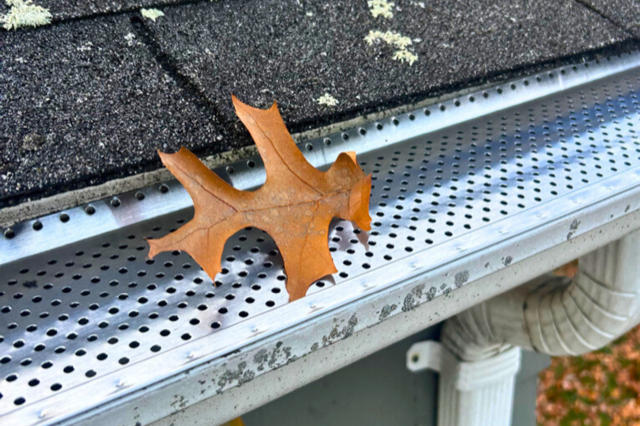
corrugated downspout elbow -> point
(554, 315)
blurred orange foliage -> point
(601, 388)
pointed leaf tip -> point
(238, 104)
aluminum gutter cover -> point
(464, 191)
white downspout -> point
(469, 393)
(555, 316)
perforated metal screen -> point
(80, 312)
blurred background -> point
(598, 388)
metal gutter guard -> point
(492, 188)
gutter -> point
(242, 363)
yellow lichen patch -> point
(25, 14)
(405, 56)
(152, 14)
(327, 100)
(381, 8)
(394, 39)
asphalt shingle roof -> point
(625, 13)
(84, 100)
(92, 98)
(66, 9)
(273, 49)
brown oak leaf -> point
(294, 206)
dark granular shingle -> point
(91, 99)
(65, 9)
(85, 101)
(625, 13)
(294, 52)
